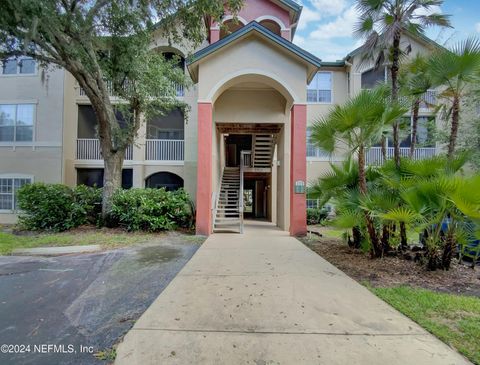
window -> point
(8, 191)
(19, 66)
(94, 177)
(373, 77)
(320, 89)
(425, 133)
(169, 126)
(312, 150)
(16, 122)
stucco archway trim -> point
(231, 79)
(273, 19)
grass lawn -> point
(105, 238)
(454, 319)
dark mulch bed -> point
(394, 271)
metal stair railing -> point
(245, 161)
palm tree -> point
(458, 70)
(414, 82)
(359, 123)
(382, 23)
(340, 185)
(437, 200)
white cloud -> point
(327, 50)
(316, 10)
(329, 7)
(431, 10)
(477, 27)
(308, 16)
(342, 26)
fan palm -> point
(359, 123)
(458, 70)
(340, 184)
(432, 194)
(382, 23)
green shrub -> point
(57, 207)
(316, 215)
(151, 209)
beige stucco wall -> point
(40, 159)
(250, 106)
(255, 57)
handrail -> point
(216, 198)
(240, 200)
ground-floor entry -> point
(255, 198)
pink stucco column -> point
(204, 170)
(214, 35)
(298, 170)
(286, 34)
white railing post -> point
(243, 157)
(374, 154)
(165, 149)
(89, 149)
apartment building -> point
(242, 151)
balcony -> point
(315, 153)
(164, 149)
(89, 149)
(374, 154)
(179, 89)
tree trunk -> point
(386, 238)
(454, 129)
(384, 148)
(403, 236)
(357, 237)
(112, 178)
(448, 250)
(362, 182)
(415, 109)
(394, 72)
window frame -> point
(331, 90)
(14, 142)
(18, 73)
(320, 155)
(14, 177)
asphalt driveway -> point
(62, 310)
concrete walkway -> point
(265, 298)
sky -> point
(325, 27)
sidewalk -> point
(265, 298)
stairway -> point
(262, 150)
(227, 217)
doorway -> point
(255, 198)
(235, 144)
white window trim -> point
(15, 176)
(18, 74)
(34, 126)
(331, 91)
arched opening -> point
(251, 113)
(179, 60)
(164, 179)
(272, 26)
(229, 26)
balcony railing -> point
(314, 151)
(430, 97)
(165, 149)
(179, 89)
(374, 154)
(89, 149)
